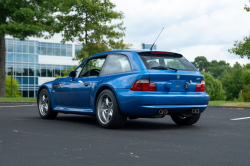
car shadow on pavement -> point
(152, 125)
(81, 119)
(138, 124)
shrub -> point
(214, 87)
(15, 86)
(246, 93)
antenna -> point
(156, 40)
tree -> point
(232, 82)
(15, 87)
(217, 68)
(90, 23)
(246, 93)
(214, 87)
(246, 81)
(242, 48)
(247, 66)
(246, 77)
(200, 62)
(24, 18)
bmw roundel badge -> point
(178, 77)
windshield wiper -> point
(164, 68)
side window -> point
(96, 63)
(78, 71)
(116, 64)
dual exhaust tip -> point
(195, 110)
(163, 111)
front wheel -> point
(180, 120)
(108, 112)
(44, 105)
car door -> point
(56, 89)
(76, 92)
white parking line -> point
(241, 118)
(18, 106)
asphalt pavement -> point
(219, 138)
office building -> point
(37, 62)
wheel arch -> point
(39, 90)
(103, 88)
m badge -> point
(178, 77)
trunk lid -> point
(171, 81)
(171, 71)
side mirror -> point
(72, 74)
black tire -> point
(118, 119)
(49, 113)
(186, 120)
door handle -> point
(87, 83)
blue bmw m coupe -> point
(117, 85)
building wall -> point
(35, 63)
(142, 46)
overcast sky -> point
(192, 27)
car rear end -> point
(172, 86)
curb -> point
(18, 103)
(230, 107)
(34, 103)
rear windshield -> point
(154, 60)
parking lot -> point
(216, 139)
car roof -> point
(135, 51)
(129, 51)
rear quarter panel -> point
(121, 80)
(116, 81)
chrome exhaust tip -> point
(161, 111)
(195, 110)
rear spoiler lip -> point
(159, 53)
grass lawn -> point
(21, 99)
(229, 103)
(211, 103)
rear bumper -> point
(134, 103)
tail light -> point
(200, 87)
(143, 85)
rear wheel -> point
(108, 112)
(44, 106)
(180, 120)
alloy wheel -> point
(43, 104)
(105, 108)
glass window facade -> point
(41, 48)
(27, 74)
(77, 48)
(23, 57)
(54, 49)
(148, 46)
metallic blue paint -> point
(135, 102)
(71, 96)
